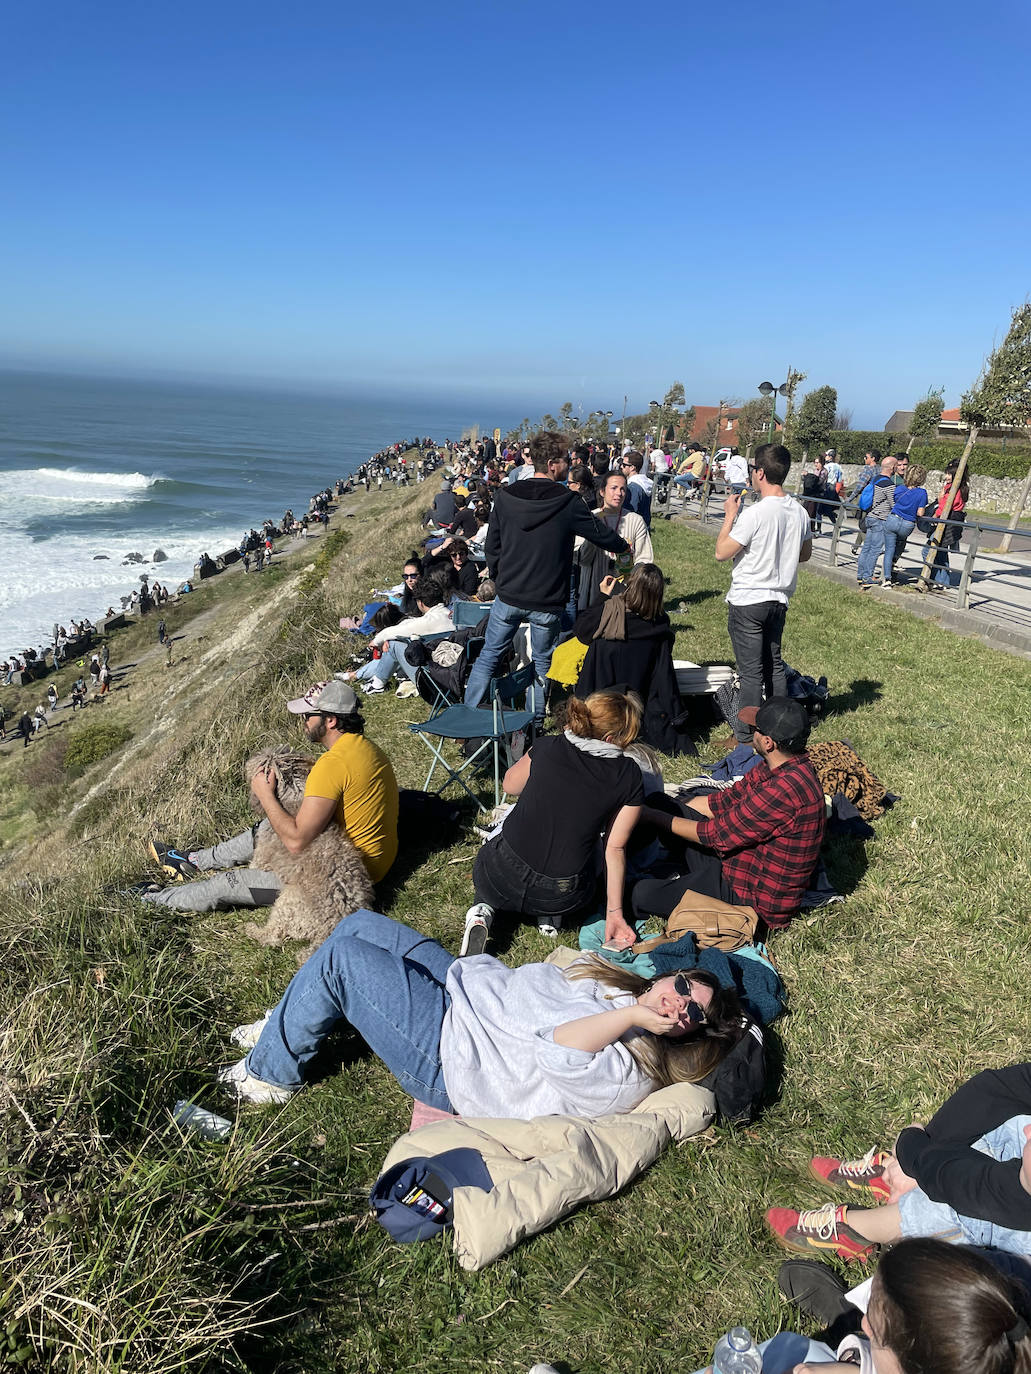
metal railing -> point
(996, 583)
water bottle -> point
(737, 1353)
(203, 1123)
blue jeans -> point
(502, 624)
(919, 1216)
(873, 544)
(895, 528)
(942, 574)
(391, 660)
(755, 633)
(384, 979)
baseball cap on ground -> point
(414, 1199)
(783, 719)
(335, 698)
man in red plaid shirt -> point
(755, 843)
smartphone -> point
(615, 946)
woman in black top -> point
(630, 648)
(573, 789)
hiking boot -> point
(815, 1289)
(865, 1173)
(172, 860)
(236, 1080)
(247, 1036)
(477, 930)
(820, 1228)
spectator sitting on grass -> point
(352, 785)
(453, 555)
(434, 618)
(755, 843)
(964, 1177)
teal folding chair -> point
(493, 725)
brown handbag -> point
(716, 924)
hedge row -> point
(985, 460)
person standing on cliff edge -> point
(529, 549)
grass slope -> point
(132, 1247)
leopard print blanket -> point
(840, 769)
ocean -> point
(93, 469)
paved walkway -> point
(998, 607)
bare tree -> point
(843, 418)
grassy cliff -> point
(130, 1246)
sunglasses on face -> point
(682, 986)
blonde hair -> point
(663, 1059)
(915, 475)
(609, 715)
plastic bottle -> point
(737, 1353)
(201, 1122)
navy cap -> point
(413, 1200)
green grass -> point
(131, 1247)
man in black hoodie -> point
(529, 548)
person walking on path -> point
(769, 540)
(529, 549)
(162, 632)
(25, 728)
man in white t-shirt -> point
(770, 539)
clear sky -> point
(561, 201)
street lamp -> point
(768, 389)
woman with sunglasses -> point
(479, 1038)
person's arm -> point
(296, 832)
(585, 523)
(622, 828)
(943, 1160)
(517, 776)
(492, 544)
(806, 551)
(682, 826)
(597, 1032)
(726, 546)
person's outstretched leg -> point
(395, 1003)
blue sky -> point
(550, 202)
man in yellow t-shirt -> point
(352, 782)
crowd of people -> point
(538, 556)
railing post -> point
(968, 567)
(839, 520)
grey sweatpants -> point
(236, 886)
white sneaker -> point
(477, 929)
(549, 931)
(374, 687)
(247, 1036)
(407, 689)
(236, 1080)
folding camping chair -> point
(493, 725)
(467, 614)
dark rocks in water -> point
(133, 558)
(160, 556)
(98, 557)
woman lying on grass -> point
(478, 1038)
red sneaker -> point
(823, 1228)
(867, 1172)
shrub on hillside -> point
(93, 743)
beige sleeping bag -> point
(544, 1168)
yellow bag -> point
(716, 924)
(567, 661)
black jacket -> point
(529, 544)
(642, 663)
(949, 1170)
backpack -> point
(866, 495)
